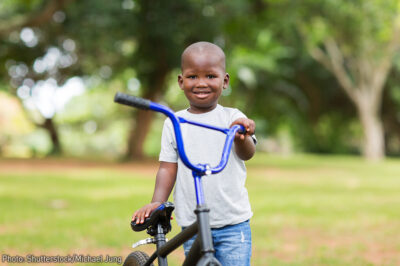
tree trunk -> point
(141, 125)
(142, 121)
(50, 127)
(373, 145)
(363, 81)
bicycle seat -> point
(161, 215)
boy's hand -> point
(249, 126)
(144, 212)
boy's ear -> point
(226, 81)
(180, 81)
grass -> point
(308, 210)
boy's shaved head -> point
(203, 76)
(204, 49)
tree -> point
(147, 36)
(356, 41)
(276, 82)
(19, 53)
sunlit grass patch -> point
(308, 210)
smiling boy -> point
(202, 80)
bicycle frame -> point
(202, 226)
(165, 248)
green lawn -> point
(308, 210)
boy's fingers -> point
(134, 215)
(250, 130)
(251, 127)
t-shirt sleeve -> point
(168, 151)
(236, 113)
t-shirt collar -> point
(218, 107)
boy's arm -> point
(244, 144)
(165, 181)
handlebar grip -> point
(241, 130)
(130, 100)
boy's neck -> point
(196, 110)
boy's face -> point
(203, 78)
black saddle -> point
(161, 215)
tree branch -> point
(32, 20)
(338, 69)
(320, 57)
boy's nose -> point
(201, 83)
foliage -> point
(134, 46)
(357, 46)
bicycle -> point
(158, 223)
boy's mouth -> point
(201, 94)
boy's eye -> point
(210, 76)
(192, 77)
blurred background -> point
(316, 76)
(320, 79)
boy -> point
(202, 80)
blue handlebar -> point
(199, 169)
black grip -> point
(130, 100)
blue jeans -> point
(232, 244)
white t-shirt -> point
(225, 193)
